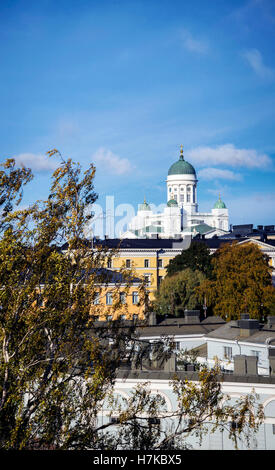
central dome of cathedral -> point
(181, 167)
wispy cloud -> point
(108, 161)
(254, 58)
(193, 44)
(217, 173)
(37, 162)
(229, 155)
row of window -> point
(189, 188)
(180, 198)
(128, 263)
(151, 421)
(122, 298)
(122, 317)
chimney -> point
(251, 365)
(152, 320)
(245, 365)
(270, 322)
(170, 364)
(192, 316)
(248, 327)
(264, 237)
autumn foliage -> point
(241, 282)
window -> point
(147, 279)
(128, 263)
(135, 298)
(109, 317)
(135, 317)
(123, 317)
(122, 297)
(234, 425)
(109, 263)
(160, 263)
(114, 420)
(188, 194)
(227, 352)
(96, 299)
(153, 421)
(109, 298)
(273, 429)
(182, 198)
(176, 197)
(146, 263)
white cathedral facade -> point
(181, 216)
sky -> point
(124, 83)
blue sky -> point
(125, 83)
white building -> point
(181, 215)
(246, 352)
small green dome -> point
(172, 203)
(181, 167)
(219, 204)
(144, 206)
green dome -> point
(219, 204)
(181, 167)
(144, 206)
(172, 203)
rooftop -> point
(177, 326)
(232, 331)
(139, 374)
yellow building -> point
(148, 258)
(113, 301)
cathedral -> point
(181, 216)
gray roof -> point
(231, 331)
(183, 375)
(178, 327)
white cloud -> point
(254, 58)
(107, 160)
(217, 173)
(192, 44)
(229, 155)
(37, 162)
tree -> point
(197, 257)
(241, 283)
(57, 365)
(202, 408)
(48, 343)
(178, 292)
